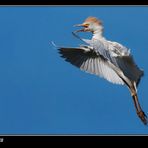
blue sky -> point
(40, 93)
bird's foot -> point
(143, 117)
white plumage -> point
(109, 60)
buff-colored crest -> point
(94, 20)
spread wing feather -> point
(119, 56)
(90, 62)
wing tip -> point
(139, 79)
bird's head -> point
(91, 24)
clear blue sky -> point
(40, 93)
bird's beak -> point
(80, 25)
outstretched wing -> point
(124, 60)
(129, 68)
(119, 56)
(90, 61)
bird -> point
(104, 58)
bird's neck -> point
(98, 33)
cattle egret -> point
(109, 60)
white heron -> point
(106, 59)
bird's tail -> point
(139, 111)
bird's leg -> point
(139, 111)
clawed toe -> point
(143, 117)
